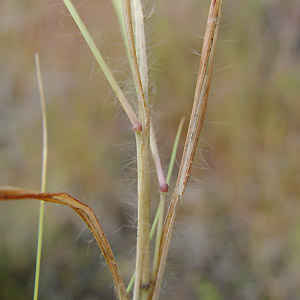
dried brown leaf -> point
(88, 216)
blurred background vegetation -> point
(237, 235)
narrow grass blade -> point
(43, 179)
(174, 150)
(88, 216)
(110, 78)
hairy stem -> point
(160, 208)
(160, 211)
(195, 126)
(110, 78)
(143, 146)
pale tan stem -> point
(140, 44)
(143, 233)
(195, 126)
(142, 143)
(134, 60)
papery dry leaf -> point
(88, 216)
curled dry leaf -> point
(88, 216)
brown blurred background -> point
(237, 235)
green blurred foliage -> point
(206, 290)
(238, 228)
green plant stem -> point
(110, 78)
(160, 212)
(119, 11)
(174, 150)
(43, 179)
(39, 251)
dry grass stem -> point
(131, 19)
(88, 216)
(195, 126)
(133, 56)
(140, 44)
(201, 94)
(142, 271)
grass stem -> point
(170, 169)
(195, 126)
(43, 179)
(163, 186)
(159, 218)
(140, 74)
(99, 58)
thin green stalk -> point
(43, 179)
(160, 210)
(119, 11)
(170, 170)
(174, 151)
(99, 58)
